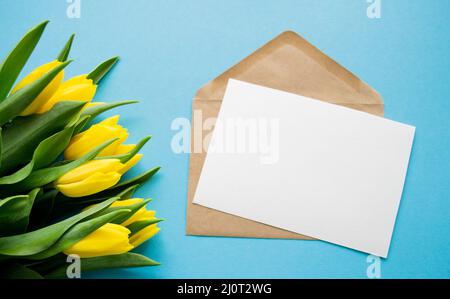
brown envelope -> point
(287, 63)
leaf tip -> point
(64, 54)
(44, 23)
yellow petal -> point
(110, 239)
(120, 203)
(111, 121)
(143, 235)
(97, 134)
(87, 169)
(95, 183)
(124, 148)
(122, 134)
(48, 91)
(75, 89)
(130, 163)
(80, 79)
(126, 202)
(140, 215)
(94, 104)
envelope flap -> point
(290, 63)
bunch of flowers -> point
(61, 191)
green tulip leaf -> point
(124, 260)
(136, 180)
(46, 152)
(124, 158)
(47, 265)
(64, 204)
(124, 186)
(81, 123)
(45, 176)
(39, 240)
(1, 146)
(24, 134)
(102, 69)
(122, 190)
(15, 103)
(15, 213)
(49, 149)
(140, 225)
(78, 232)
(64, 54)
(88, 200)
(42, 209)
(18, 271)
(128, 192)
(15, 61)
(96, 110)
(19, 175)
(132, 208)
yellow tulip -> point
(110, 239)
(78, 88)
(113, 238)
(144, 234)
(92, 177)
(48, 91)
(97, 134)
(142, 214)
(130, 163)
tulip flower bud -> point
(78, 88)
(110, 239)
(90, 178)
(140, 215)
(143, 235)
(97, 134)
(113, 238)
(48, 91)
(93, 176)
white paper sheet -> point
(314, 168)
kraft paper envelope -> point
(287, 63)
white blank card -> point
(307, 166)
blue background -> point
(170, 48)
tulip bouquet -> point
(61, 192)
